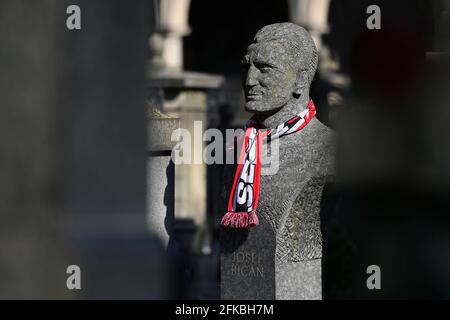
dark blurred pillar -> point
(33, 259)
(393, 200)
(106, 154)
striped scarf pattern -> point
(244, 195)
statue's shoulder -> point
(301, 236)
(322, 135)
(323, 149)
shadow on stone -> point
(232, 239)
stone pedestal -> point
(160, 178)
(185, 96)
(250, 268)
(248, 264)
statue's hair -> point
(295, 37)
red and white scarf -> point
(244, 195)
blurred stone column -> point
(180, 94)
(107, 156)
(185, 96)
(331, 82)
(171, 18)
(441, 24)
(311, 14)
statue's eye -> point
(264, 67)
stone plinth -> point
(160, 178)
(185, 96)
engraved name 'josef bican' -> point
(247, 265)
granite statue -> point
(271, 239)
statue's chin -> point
(251, 106)
(255, 107)
(259, 109)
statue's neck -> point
(293, 107)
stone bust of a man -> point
(278, 70)
(279, 67)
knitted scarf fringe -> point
(240, 219)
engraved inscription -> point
(247, 265)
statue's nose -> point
(251, 78)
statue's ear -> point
(301, 83)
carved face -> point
(269, 77)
